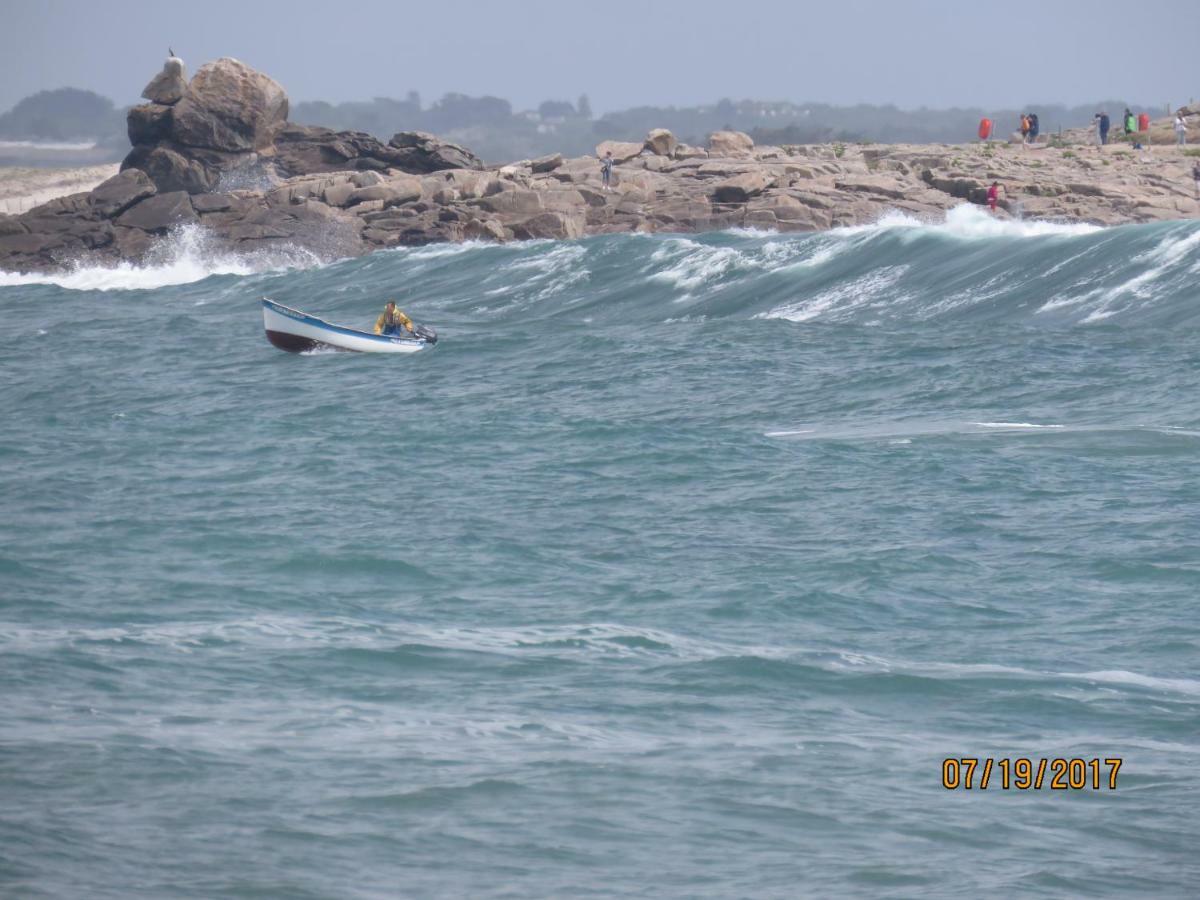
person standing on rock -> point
(606, 167)
(1035, 128)
(1196, 178)
(1102, 123)
(1130, 122)
(1180, 129)
(993, 195)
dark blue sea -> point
(676, 569)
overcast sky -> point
(933, 53)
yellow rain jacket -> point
(397, 317)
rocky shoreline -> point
(217, 152)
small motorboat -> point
(295, 331)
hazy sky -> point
(921, 52)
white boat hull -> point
(295, 331)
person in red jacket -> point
(993, 195)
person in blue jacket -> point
(1102, 118)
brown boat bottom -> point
(293, 343)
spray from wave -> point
(188, 254)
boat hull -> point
(298, 332)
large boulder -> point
(520, 201)
(160, 213)
(483, 230)
(11, 225)
(148, 123)
(661, 142)
(552, 225)
(169, 85)
(730, 143)
(308, 149)
(622, 151)
(171, 170)
(393, 192)
(230, 106)
(686, 151)
(545, 163)
(120, 192)
(741, 188)
(420, 153)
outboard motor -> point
(426, 333)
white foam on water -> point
(902, 432)
(751, 231)
(1122, 677)
(562, 253)
(694, 263)
(818, 257)
(1117, 677)
(969, 222)
(1014, 425)
(1163, 262)
(607, 639)
(437, 251)
(189, 254)
(872, 289)
(545, 274)
(687, 264)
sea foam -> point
(188, 254)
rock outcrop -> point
(734, 144)
(228, 106)
(622, 151)
(228, 129)
(190, 135)
(661, 142)
(309, 149)
(167, 86)
(236, 169)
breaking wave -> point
(899, 270)
(187, 255)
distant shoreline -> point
(23, 188)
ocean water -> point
(676, 569)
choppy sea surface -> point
(676, 569)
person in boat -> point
(394, 321)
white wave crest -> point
(1014, 425)
(875, 288)
(698, 263)
(1124, 678)
(969, 222)
(186, 255)
(690, 264)
(1170, 266)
